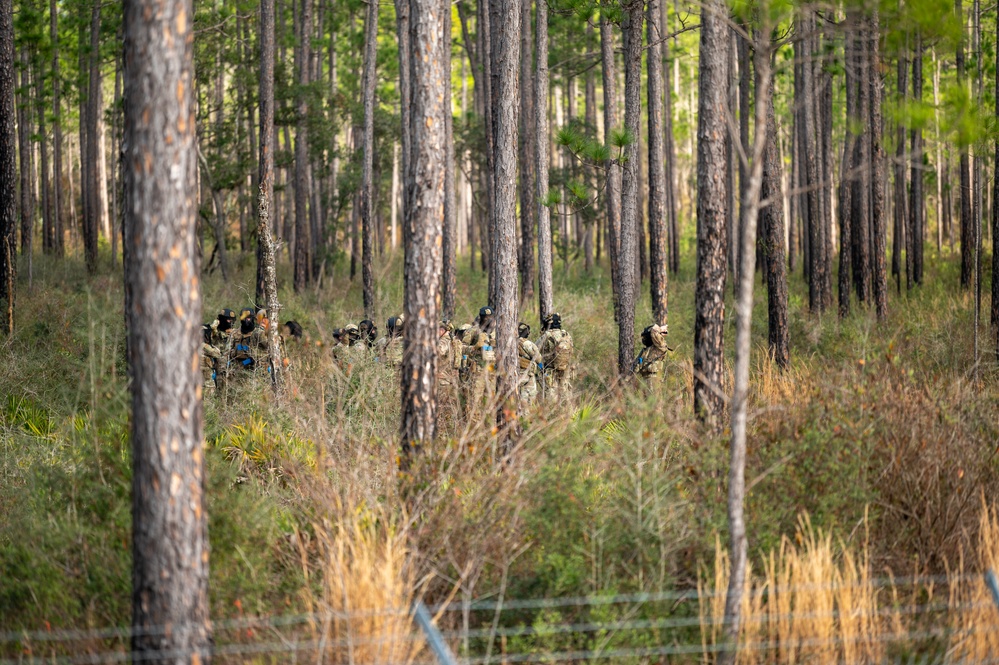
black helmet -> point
(485, 312)
(293, 328)
(247, 320)
(524, 330)
(225, 318)
(552, 322)
(647, 336)
(395, 325)
(369, 331)
(206, 333)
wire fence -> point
(641, 628)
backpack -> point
(563, 352)
(524, 357)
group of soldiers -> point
(233, 345)
(466, 355)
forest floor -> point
(876, 445)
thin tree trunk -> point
(740, 391)
(772, 226)
(589, 213)
(43, 155)
(545, 298)
(25, 164)
(712, 204)
(861, 198)
(507, 57)
(450, 259)
(846, 174)
(169, 516)
(901, 214)
(995, 217)
(967, 228)
(367, 194)
(527, 155)
(58, 243)
(658, 249)
(93, 182)
(8, 178)
(879, 278)
(423, 228)
(915, 274)
(631, 27)
(612, 170)
(301, 267)
(813, 177)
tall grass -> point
(817, 600)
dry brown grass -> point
(974, 615)
(359, 589)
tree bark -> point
(709, 297)
(169, 518)
(670, 160)
(424, 205)
(847, 174)
(658, 248)
(528, 150)
(612, 169)
(450, 259)
(57, 226)
(302, 242)
(813, 177)
(863, 187)
(916, 235)
(967, 227)
(900, 233)
(995, 218)
(405, 94)
(772, 227)
(631, 27)
(879, 278)
(8, 178)
(93, 181)
(25, 164)
(545, 297)
(367, 166)
(43, 155)
(740, 391)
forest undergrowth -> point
(872, 458)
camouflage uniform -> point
(556, 357)
(651, 362)
(447, 374)
(388, 349)
(528, 360)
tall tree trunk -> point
(93, 181)
(740, 392)
(612, 169)
(901, 215)
(450, 259)
(528, 148)
(486, 58)
(670, 160)
(169, 517)
(8, 157)
(507, 59)
(813, 176)
(43, 155)
(301, 274)
(846, 173)
(545, 297)
(57, 226)
(709, 297)
(631, 27)
(772, 228)
(879, 232)
(658, 251)
(26, 166)
(995, 217)
(862, 187)
(367, 166)
(967, 228)
(422, 231)
(589, 213)
(916, 190)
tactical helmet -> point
(524, 330)
(247, 320)
(293, 328)
(552, 322)
(447, 325)
(368, 330)
(352, 332)
(225, 318)
(206, 333)
(647, 336)
(485, 312)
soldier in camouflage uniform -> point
(369, 332)
(481, 358)
(210, 357)
(351, 350)
(222, 329)
(556, 358)
(388, 349)
(651, 362)
(447, 372)
(529, 362)
(242, 351)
